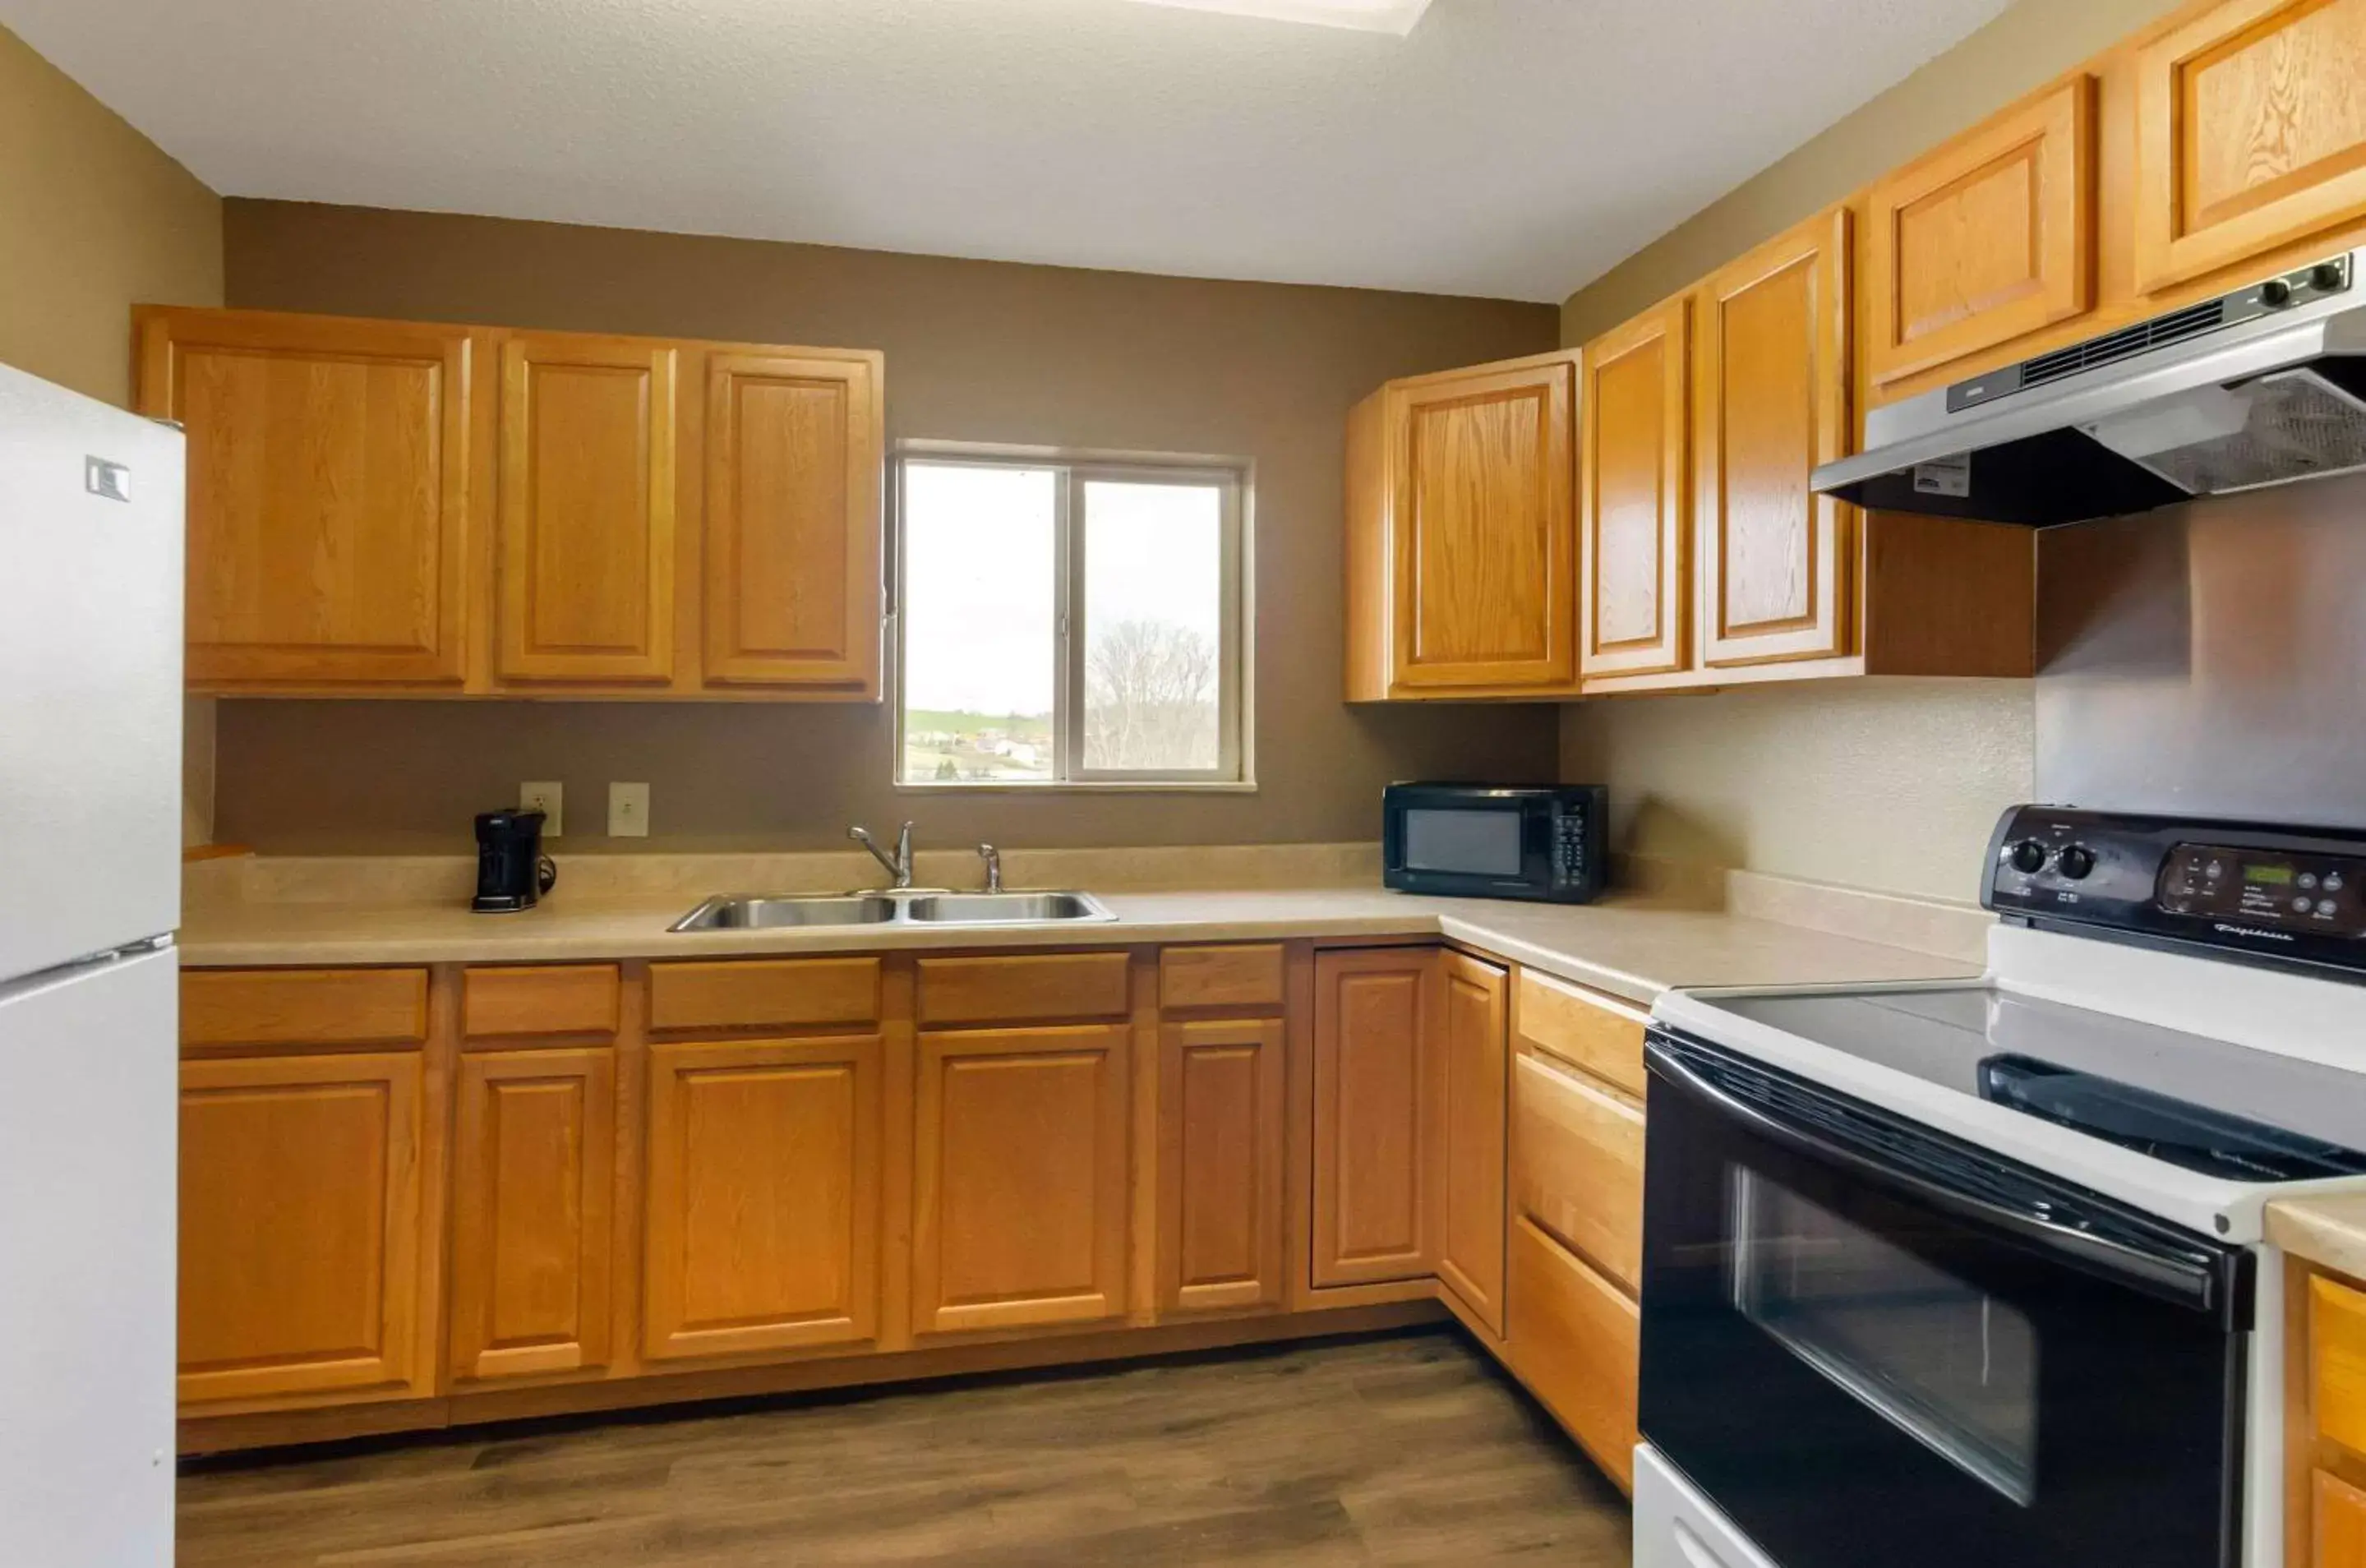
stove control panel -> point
(2294, 897)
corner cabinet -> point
(1462, 534)
(392, 508)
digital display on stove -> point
(2276, 875)
(2323, 894)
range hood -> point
(2261, 386)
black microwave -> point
(1465, 841)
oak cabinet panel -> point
(1576, 1340)
(1020, 1181)
(1599, 1033)
(2250, 134)
(1377, 1102)
(2337, 1339)
(1988, 239)
(1772, 397)
(1636, 481)
(1577, 1167)
(2340, 1527)
(302, 1213)
(329, 494)
(534, 1168)
(586, 510)
(1473, 1045)
(792, 544)
(763, 1188)
(1222, 1132)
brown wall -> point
(976, 350)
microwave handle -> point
(2160, 1269)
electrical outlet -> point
(628, 811)
(550, 800)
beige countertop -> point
(2329, 1232)
(1629, 945)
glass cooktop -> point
(2222, 1109)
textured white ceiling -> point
(1514, 148)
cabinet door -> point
(532, 1174)
(1377, 1101)
(1221, 1126)
(2341, 1533)
(328, 493)
(1985, 240)
(1481, 514)
(1471, 1242)
(763, 1224)
(1021, 1190)
(2250, 134)
(1772, 403)
(300, 1216)
(1636, 544)
(587, 510)
(794, 448)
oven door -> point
(1869, 1342)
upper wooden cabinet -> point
(388, 508)
(2250, 133)
(330, 493)
(586, 512)
(1462, 533)
(795, 448)
(1771, 404)
(1988, 239)
(1635, 545)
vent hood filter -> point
(2213, 440)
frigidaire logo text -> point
(2224, 930)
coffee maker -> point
(512, 872)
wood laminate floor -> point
(1408, 1450)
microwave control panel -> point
(1569, 859)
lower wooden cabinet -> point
(1377, 1105)
(1577, 1165)
(302, 1213)
(1222, 1127)
(761, 1231)
(1576, 1340)
(533, 1178)
(1470, 1154)
(2341, 1531)
(1021, 1187)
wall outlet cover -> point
(549, 798)
(628, 811)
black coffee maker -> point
(512, 872)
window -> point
(1068, 621)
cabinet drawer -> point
(1009, 990)
(1575, 1341)
(2340, 1532)
(541, 999)
(303, 1007)
(1241, 976)
(802, 993)
(1577, 1167)
(2336, 1340)
(1593, 1031)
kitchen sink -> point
(734, 912)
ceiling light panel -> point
(1398, 16)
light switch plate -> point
(548, 798)
(628, 811)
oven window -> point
(1947, 1364)
(1477, 843)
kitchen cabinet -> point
(2250, 134)
(762, 1198)
(1022, 1194)
(2325, 1458)
(1463, 535)
(1577, 1165)
(533, 1178)
(332, 496)
(1636, 529)
(1378, 1101)
(1222, 1127)
(1470, 1179)
(2340, 1534)
(1575, 1341)
(1989, 238)
(795, 451)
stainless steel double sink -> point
(916, 906)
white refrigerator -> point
(90, 872)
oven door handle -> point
(2188, 1277)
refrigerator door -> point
(90, 676)
(89, 1129)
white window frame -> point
(1235, 718)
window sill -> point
(1083, 786)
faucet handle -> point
(993, 858)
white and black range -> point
(1973, 1273)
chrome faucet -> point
(899, 865)
(993, 859)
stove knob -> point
(2275, 294)
(2325, 276)
(2078, 863)
(2027, 857)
